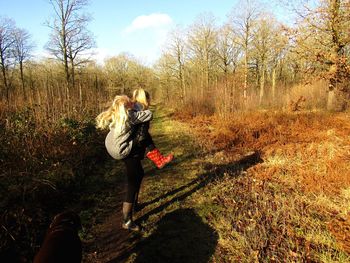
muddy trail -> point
(172, 230)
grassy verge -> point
(293, 205)
(263, 187)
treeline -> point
(253, 60)
(250, 61)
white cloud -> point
(41, 55)
(149, 21)
(101, 54)
(145, 36)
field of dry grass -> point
(315, 147)
(292, 206)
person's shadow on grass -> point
(181, 236)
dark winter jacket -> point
(119, 142)
(142, 129)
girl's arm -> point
(137, 117)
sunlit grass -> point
(305, 168)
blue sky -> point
(134, 26)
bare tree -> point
(124, 72)
(228, 50)
(177, 50)
(70, 38)
(244, 20)
(80, 44)
(7, 29)
(261, 43)
(22, 52)
(117, 69)
(166, 67)
(228, 53)
(265, 41)
(202, 45)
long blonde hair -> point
(141, 96)
(116, 115)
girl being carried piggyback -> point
(122, 120)
(141, 99)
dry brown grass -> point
(315, 147)
(306, 151)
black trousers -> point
(134, 176)
(134, 171)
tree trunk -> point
(48, 100)
(245, 78)
(80, 96)
(182, 96)
(273, 88)
(72, 72)
(337, 100)
(22, 80)
(183, 87)
(201, 84)
(262, 85)
(338, 94)
(6, 85)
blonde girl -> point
(121, 119)
(141, 99)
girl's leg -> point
(136, 202)
(148, 142)
(140, 171)
(152, 152)
(134, 174)
(155, 156)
